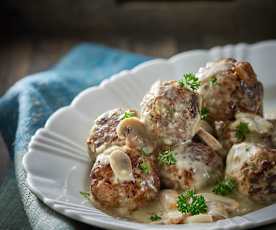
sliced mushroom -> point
(210, 140)
(173, 217)
(136, 135)
(168, 198)
(205, 125)
(201, 218)
(228, 203)
(121, 166)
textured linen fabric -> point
(28, 104)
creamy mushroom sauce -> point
(143, 215)
(123, 172)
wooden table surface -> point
(24, 56)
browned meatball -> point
(229, 86)
(103, 133)
(171, 112)
(123, 179)
(196, 165)
(253, 166)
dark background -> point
(36, 33)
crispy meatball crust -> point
(171, 112)
(236, 88)
(128, 195)
(103, 133)
(253, 166)
(197, 165)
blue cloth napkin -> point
(29, 103)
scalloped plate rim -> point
(73, 105)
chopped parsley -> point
(242, 130)
(145, 167)
(128, 114)
(167, 158)
(212, 81)
(189, 81)
(191, 203)
(204, 113)
(155, 217)
(225, 187)
(85, 195)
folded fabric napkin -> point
(30, 102)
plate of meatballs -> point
(184, 143)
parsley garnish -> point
(167, 158)
(128, 114)
(204, 113)
(190, 203)
(189, 81)
(212, 81)
(242, 130)
(85, 195)
(225, 187)
(145, 167)
(155, 217)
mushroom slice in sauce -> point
(210, 140)
(201, 218)
(168, 198)
(136, 135)
(121, 166)
(220, 206)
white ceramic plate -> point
(57, 163)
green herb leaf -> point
(191, 203)
(212, 81)
(204, 113)
(155, 217)
(189, 81)
(242, 130)
(167, 158)
(85, 195)
(145, 167)
(225, 187)
(128, 114)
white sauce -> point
(119, 161)
(255, 123)
(212, 68)
(238, 154)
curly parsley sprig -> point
(155, 217)
(225, 187)
(191, 203)
(242, 131)
(204, 113)
(190, 81)
(129, 114)
(85, 195)
(167, 158)
(145, 167)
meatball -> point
(246, 128)
(253, 166)
(273, 135)
(171, 112)
(196, 165)
(229, 86)
(103, 133)
(123, 179)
